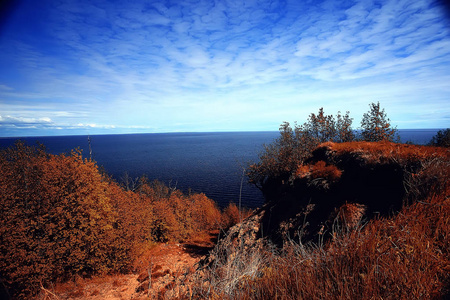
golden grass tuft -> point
(318, 170)
(381, 151)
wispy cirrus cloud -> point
(152, 65)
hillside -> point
(62, 220)
(372, 179)
(355, 220)
(352, 220)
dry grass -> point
(405, 257)
(383, 151)
(230, 270)
(318, 170)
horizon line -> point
(175, 132)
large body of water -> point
(211, 163)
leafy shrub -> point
(56, 220)
(175, 216)
(233, 215)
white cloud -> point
(107, 63)
(93, 125)
(11, 121)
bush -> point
(175, 216)
(281, 158)
(441, 139)
(232, 215)
(56, 219)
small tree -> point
(321, 127)
(344, 131)
(376, 126)
(281, 158)
(441, 139)
(56, 220)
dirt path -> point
(167, 264)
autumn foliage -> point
(318, 170)
(294, 145)
(176, 216)
(232, 215)
(60, 217)
(56, 219)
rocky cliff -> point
(340, 186)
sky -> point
(108, 67)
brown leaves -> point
(56, 220)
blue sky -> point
(95, 67)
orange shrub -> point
(232, 215)
(135, 216)
(61, 218)
(205, 212)
(175, 216)
(55, 219)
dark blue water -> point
(417, 136)
(211, 163)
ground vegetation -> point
(61, 218)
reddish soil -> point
(168, 265)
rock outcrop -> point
(340, 186)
